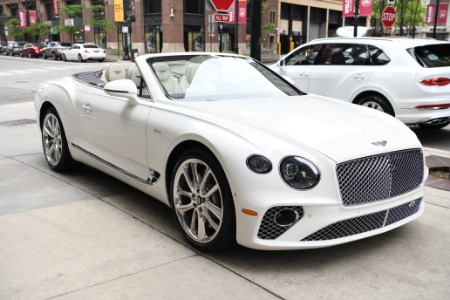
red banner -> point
(55, 7)
(22, 14)
(347, 8)
(442, 16)
(429, 19)
(242, 17)
(365, 8)
(33, 17)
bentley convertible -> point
(238, 153)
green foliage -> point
(38, 29)
(72, 10)
(98, 19)
(14, 29)
(268, 28)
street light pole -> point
(356, 19)
(436, 12)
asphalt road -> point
(84, 235)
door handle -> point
(304, 74)
(87, 108)
(359, 77)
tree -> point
(38, 29)
(97, 18)
(14, 29)
(73, 11)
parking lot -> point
(85, 235)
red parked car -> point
(31, 50)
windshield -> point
(432, 56)
(211, 77)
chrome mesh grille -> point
(269, 229)
(379, 177)
(365, 223)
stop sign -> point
(222, 5)
(388, 16)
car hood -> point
(337, 129)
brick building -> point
(182, 25)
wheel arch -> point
(364, 94)
(176, 152)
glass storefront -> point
(153, 38)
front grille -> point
(269, 229)
(379, 177)
(365, 223)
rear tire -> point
(64, 57)
(80, 58)
(44, 56)
(377, 102)
(54, 142)
(54, 56)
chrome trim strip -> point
(107, 163)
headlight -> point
(259, 164)
(299, 173)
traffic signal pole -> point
(255, 42)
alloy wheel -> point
(52, 139)
(198, 200)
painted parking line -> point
(19, 72)
(55, 68)
(37, 70)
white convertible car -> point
(238, 153)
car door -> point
(342, 71)
(298, 65)
(114, 130)
(72, 52)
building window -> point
(152, 7)
(272, 17)
(194, 6)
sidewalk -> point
(85, 235)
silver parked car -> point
(14, 48)
(55, 50)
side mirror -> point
(282, 63)
(122, 88)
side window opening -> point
(303, 56)
(378, 57)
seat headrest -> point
(134, 74)
(115, 71)
(190, 71)
(163, 71)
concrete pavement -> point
(84, 235)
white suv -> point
(407, 78)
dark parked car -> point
(14, 48)
(31, 50)
(55, 50)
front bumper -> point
(326, 225)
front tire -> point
(54, 56)
(377, 102)
(80, 58)
(44, 56)
(202, 202)
(54, 142)
(64, 57)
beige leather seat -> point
(115, 71)
(189, 74)
(164, 74)
(134, 74)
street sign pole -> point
(255, 42)
(236, 28)
(356, 19)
